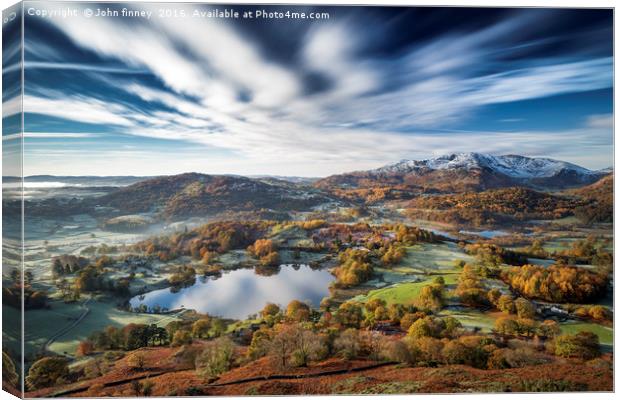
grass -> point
(433, 257)
(392, 388)
(103, 312)
(404, 293)
(471, 318)
(605, 334)
(348, 385)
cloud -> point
(600, 121)
(12, 106)
(219, 90)
(79, 108)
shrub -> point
(259, 346)
(506, 326)
(270, 309)
(297, 311)
(397, 350)
(136, 361)
(180, 338)
(84, 348)
(9, 372)
(408, 319)
(47, 372)
(217, 357)
(525, 308)
(583, 345)
(347, 344)
(201, 327)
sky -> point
(366, 87)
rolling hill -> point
(462, 172)
(194, 194)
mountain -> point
(194, 194)
(600, 200)
(470, 171)
(492, 207)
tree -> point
(9, 372)
(494, 295)
(270, 310)
(200, 328)
(410, 318)
(549, 328)
(505, 303)
(372, 304)
(46, 372)
(84, 348)
(427, 348)
(297, 311)
(525, 308)
(583, 345)
(259, 346)
(350, 314)
(396, 312)
(599, 313)
(181, 337)
(506, 326)
(218, 327)
(347, 344)
(527, 326)
(470, 288)
(217, 357)
(454, 352)
(308, 346)
(431, 298)
(281, 347)
(421, 328)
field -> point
(101, 313)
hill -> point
(194, 194)
(600, 201)
(461, 172)
(492, 207)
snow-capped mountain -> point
(470, 171)
(511, 165)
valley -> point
(463, 264)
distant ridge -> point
(472, 171)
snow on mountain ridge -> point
(515, 166)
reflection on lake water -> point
(486, 234)
(242, 292)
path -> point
(147, 375)
(67, 328)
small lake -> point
(486, 234)
(242, 292)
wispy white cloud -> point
(12, 106)
(600, 121)
(78, 108)
(357, 121)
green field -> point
(433, 257)
(43, 324)
(605, 334)
(405, 292)
(471, 318)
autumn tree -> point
(200, 328)
(46, 372)
(217, 357)
(298, 311)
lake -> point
(486, 234)
(242, 292)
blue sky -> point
(369, 86)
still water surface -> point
(242, 292)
